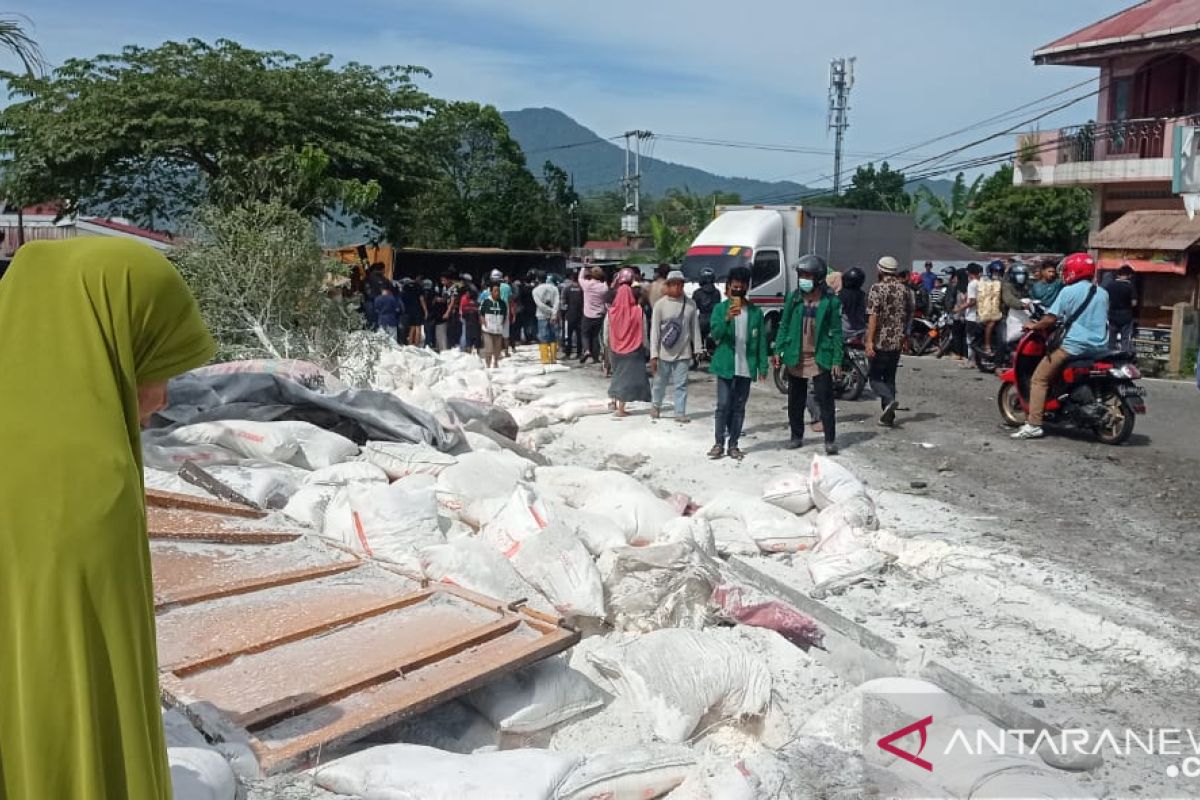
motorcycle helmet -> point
(625, 276)
(1077, 267)
(853, 278)
(707, 276)
(812, 267)
(995, 269)
(497, 275)
(914, 279)
(427, 284)
(1019, 274)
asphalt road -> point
(1129, 514)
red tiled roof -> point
(616, 244)
(1147, 20)
(132, 230)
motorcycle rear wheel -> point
(851, 386)
(1118, 424)
(1010, 406)
(781, 379)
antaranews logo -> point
(886, 745)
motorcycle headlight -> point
(1129, 371)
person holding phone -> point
(740, 358)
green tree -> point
(17, 42)
(214, 122)
(950, 215)
(481, 193)
(670, 243)
(1027, 219)
(876, 190)
(263, 284)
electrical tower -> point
(632, 182)
(841, 80)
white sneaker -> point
(1028, 431)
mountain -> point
(547, 134)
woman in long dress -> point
(90, 332)
(626, 333)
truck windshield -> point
(719, 259)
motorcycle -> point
(930, 334)
(1005, 337)
(1093, 393)
(854, 371)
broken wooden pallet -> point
(294, 646)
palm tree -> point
(16, 41)
(950, 216)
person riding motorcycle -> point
(920, 293)
(706, 298)
(1084, 311)
(854, 302)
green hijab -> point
(83, 322)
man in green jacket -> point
(810, 346)
(740, 358)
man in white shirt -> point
(546, 301)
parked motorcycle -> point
(927, 334)
(1093, 393)
(854, 372)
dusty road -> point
(1128, 514)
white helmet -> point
(497, 275)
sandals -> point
(736, 453)
(716, 452)
(683, 420)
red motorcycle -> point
(1093, 393)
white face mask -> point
(806, 285)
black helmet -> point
(853, 278)
(995, 269)
(814, 267)
(707, 276)
(1018, 274)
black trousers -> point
(591, 337)
(572, 336)
(822, 388)
(958, 338)
(882, 375)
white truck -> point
(771, 239)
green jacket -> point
(830, 348)
(723, 333)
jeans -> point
(798, 397)
(1120, 336)
(732, 394)
(591, 338)
(882, 375)
(391, 330)
(528, 329)
(676, 374)
(546, 331)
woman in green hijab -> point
(90, 331)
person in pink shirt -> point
(594, 288)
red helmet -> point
(913, 279)
(1077, 267)
(625, 275)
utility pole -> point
(632, 182)
(841, 80)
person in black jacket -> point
(706, 298)
(572, 305)
(854, 301)
(1122, 298)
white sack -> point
(692, 530)
(535, 698)
(310, 502)
(399, 459)
(317, 447)
(170, 459)
(521, 516)
(475, 565)
(266, 484)
(388, 522)
(165, 481)
(200, 773)
(639, 514)
(575, 409)
(529, 418)
(268, 441)
(628, 773)
(481, 444)
(790, 492)
(679, 676)
(479, 485)
(831, 483)
(657, 586)
(772, 529)
(453, 726)
(559, 566)
(413, 772)
(598, 533)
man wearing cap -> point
(674, 339)
(890, 309)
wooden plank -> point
(297, 742)
(357, 682)
(205, 630)
(190, 525)
(207, 662)
(321, 667)
(191, 572)
(159, 499)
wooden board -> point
(156, 498)
(295, 646)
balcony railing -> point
(1130, 138)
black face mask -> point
(737, 292)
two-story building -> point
(1149, 86)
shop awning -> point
(1153, 231)
(1143, 265)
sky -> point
(736, 71)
